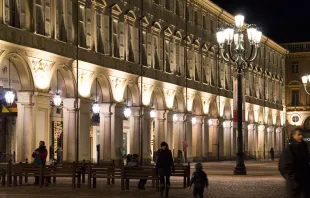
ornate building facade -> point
(297, 99)
(142, 54)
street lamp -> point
(9, 95)
(153, 114)
(305, 80)
(232, 39)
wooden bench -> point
(24, 170)
(104, 170)
(137, 173)
(69, 170)
(182, 171)
(3, 172)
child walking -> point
(200, 181)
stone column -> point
(227, 143)
(116, 131)
(220, 128)
(169, 131)
(205, 139)
(69, 130)
(177, 134)
(25, 132)
(181, 131)
(113, 129)
(146, 131)
(160, 128)
(42, 121)
(261, 141)
(105, 132)
(198, 139)
(256, 140)
(134, 133)
(188, 137)
(214, 138)
(84, 127)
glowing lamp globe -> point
(127, 112)
(96, 108)
(57, 100)
(9, 97)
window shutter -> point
(47, 18)
(69, 21)
(198, 66)
(181, 66)
(88, 28)
(121, 40)
(161, 50)
(106, 34)
(58, 7)
(136, 44)
(7, 13)
(149, 49)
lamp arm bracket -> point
(305, 85)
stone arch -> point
(65, 78)
(227, 110)
(197, 106)
(22, 68)
(158, 99)
(135, 93)
(179, 99)
(213, 109)
(103, 86)
(294, 82)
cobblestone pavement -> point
(262, 181)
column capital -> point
(213, 122)
(25, 98)
(108, 107)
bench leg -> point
(79, 180)
(127, 184)
(83, 177)
(122, 184)
(26, 179)
(46, 180)
(20, 180)
(108, 180)
(94, 183)
(184, 182)
(3, 179)
(15, 181)
(54, 180)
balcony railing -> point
(297, 47)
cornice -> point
(298, 54)
(227, 17)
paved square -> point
(262, 181)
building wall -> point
(170, 43)
(298, 100)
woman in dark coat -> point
(294, 167)
(164, 167)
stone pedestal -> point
(146, 136)
(189, 137)
(135, 131)
(198, 139)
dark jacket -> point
(40, 158)
(199, 179)
(294, 164)
(164, 162)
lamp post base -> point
(239, 170)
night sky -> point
(281, 20)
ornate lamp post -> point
(232, 39)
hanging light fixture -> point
(96, 106)
(127, 110)
(9, 95)
(57, 98)
(153, 114)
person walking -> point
(200, 181)
(271, 153)
(294, 167)
(164, 167)
(39, 156)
